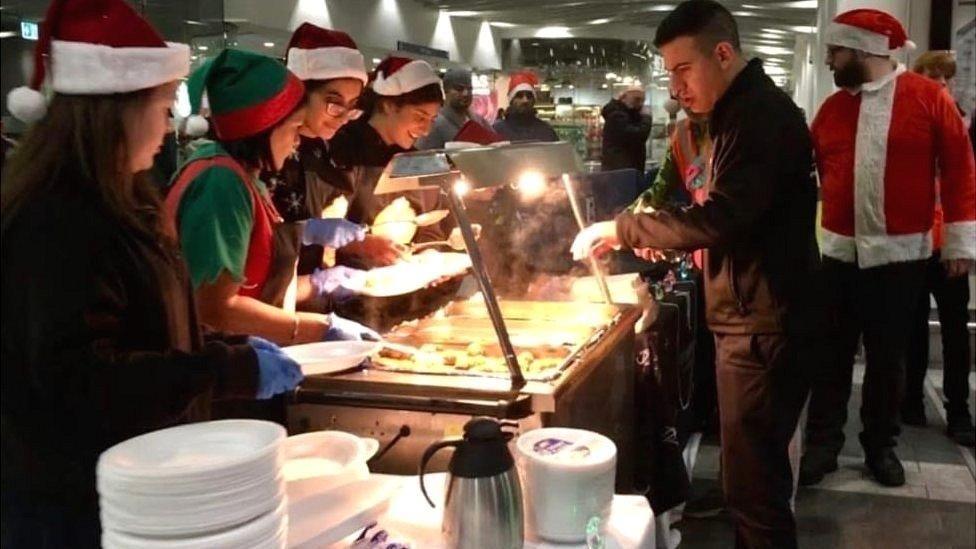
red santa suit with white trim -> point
(879, 150)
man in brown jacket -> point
(761, 257)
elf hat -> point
(522, 81)
(247, 92)
(400, 75)
(871, 31)
(95, 47)
(315, 53)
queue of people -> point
(787, 322)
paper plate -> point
(329, 357)
(198, 451)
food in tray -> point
(472, 358)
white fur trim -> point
(959, 240)
(327, 63)
(838, 246)
(870, 155)
(856, 38)
(412, 76)
(197, 126)
(83, 68)
(521, 88)
(877, 250)
(876, 85)
(26, 104)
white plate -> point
(256, 533)
(415, 274)
(193, 518)
(194, 451)
(329, 357)
(322, 460)
(329, 517)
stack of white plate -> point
(204, 485)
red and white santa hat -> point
(400, 75)
(868, 30)
(315, 53)
(95, 47)
(522, 81)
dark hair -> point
(80, 143)
(369, 101)
(254, 151)
(708, 22)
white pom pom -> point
(26, 104)
(197, 126)
(672, 106)
(910, 46)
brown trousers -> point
(762, 386)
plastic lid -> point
(567, 447)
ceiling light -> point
(662, 7)
(377, 60)
(269, 44)
(773, 70)
(805, 29)
(775, 31)
(202, 48)
(603, 86)
(553, 32)
(603, 21)
(611, 76)
(7, 34)
(194, 22)
(741, 13)
(462, 13)
(772, 50)
(801, 4)
(572, 87)
(751, 7)
(502, 25)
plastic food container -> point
(567, 477)
(320, 461)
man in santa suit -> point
(880, 143)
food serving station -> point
(533, 363)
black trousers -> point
(761, 391)
(951, 298)
(877, 304)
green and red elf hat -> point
(247, 93)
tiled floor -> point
(935, 509)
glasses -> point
(338, 110)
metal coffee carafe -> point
(483, 499)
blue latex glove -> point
(339, 282)
(343, 329)
(277, 372)
(331, 233)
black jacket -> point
(361, 154)
(308, 182)
(100, 344)
(625, 132)
(524, 127)
(757, 224)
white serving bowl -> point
(322, 460)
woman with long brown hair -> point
(100, 336)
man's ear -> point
(725, 53)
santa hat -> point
(630, 88)
(400, 75)
(871, 31)
(247, 93)
(522, 81)
(315, 53)
(95, 47)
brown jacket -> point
(757, 224)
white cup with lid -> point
(568, 478)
